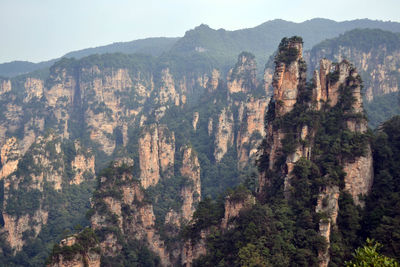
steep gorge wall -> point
(378, 66)
(26, 178)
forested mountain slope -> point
(220, 46)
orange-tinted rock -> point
(242, 78)
(252, 126)
(224, 134)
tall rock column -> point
(156, 154)
(190, 193)
(289, 77)
(224, 134)
(242, 78)
(288, 72)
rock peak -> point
(243, 77)
(290, 74)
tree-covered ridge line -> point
(221, 45)
(363, 39)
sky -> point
(38, 30)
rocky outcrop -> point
(71, 252)
(167, 91)
(210, 126)
(5, 86)
(33, 89)
(359, 171)
(148, 156)
(9, 157)
(336, 88)
(287, 77)
(166, 154)
(104, 95)
(25, 177)
(213, 81)
(251, 130)
(234, 205)
(15, 226)
(224, 134)
(129, 211)
(156, 154)
(327, 207)
(82, 165)
(267, 80)
(191, 193)
(242, 78)
(193, 250)
(377, 62)
(195, 120)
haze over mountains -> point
(219, 45)
(178, 152)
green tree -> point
(369, 256)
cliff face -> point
(33, 88)
(117, 108)
(224, 134)
(242, 78)
(191, 194)
(156, 154)
(5, 86)
(9, 156)
(79, 250)
(128, 211)
(28, 178)
(287, 78)
(292, 143)
(377, 63)
(234, 206)
(252, 130)
(121, 200)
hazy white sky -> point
(38, 30)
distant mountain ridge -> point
(149, 46)
(221, 45)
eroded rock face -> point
(376, 66)
(148, 156)
(191, 194)
(167, 91)
(286, 80)
(224, 134)
(5, 86)
(60, 96)
(359, 176)
(9, 156)
(89, 258)
(15, 226)
(104, 94)
(328, 204)
(252, 129)
(330, 83)
(195, 120)
(33, 88)
(193, 250)
(234, 206)
(242, 78)
(82, 165)
(135, 221)
(42, 165)
(214, 81)
(156, 154)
